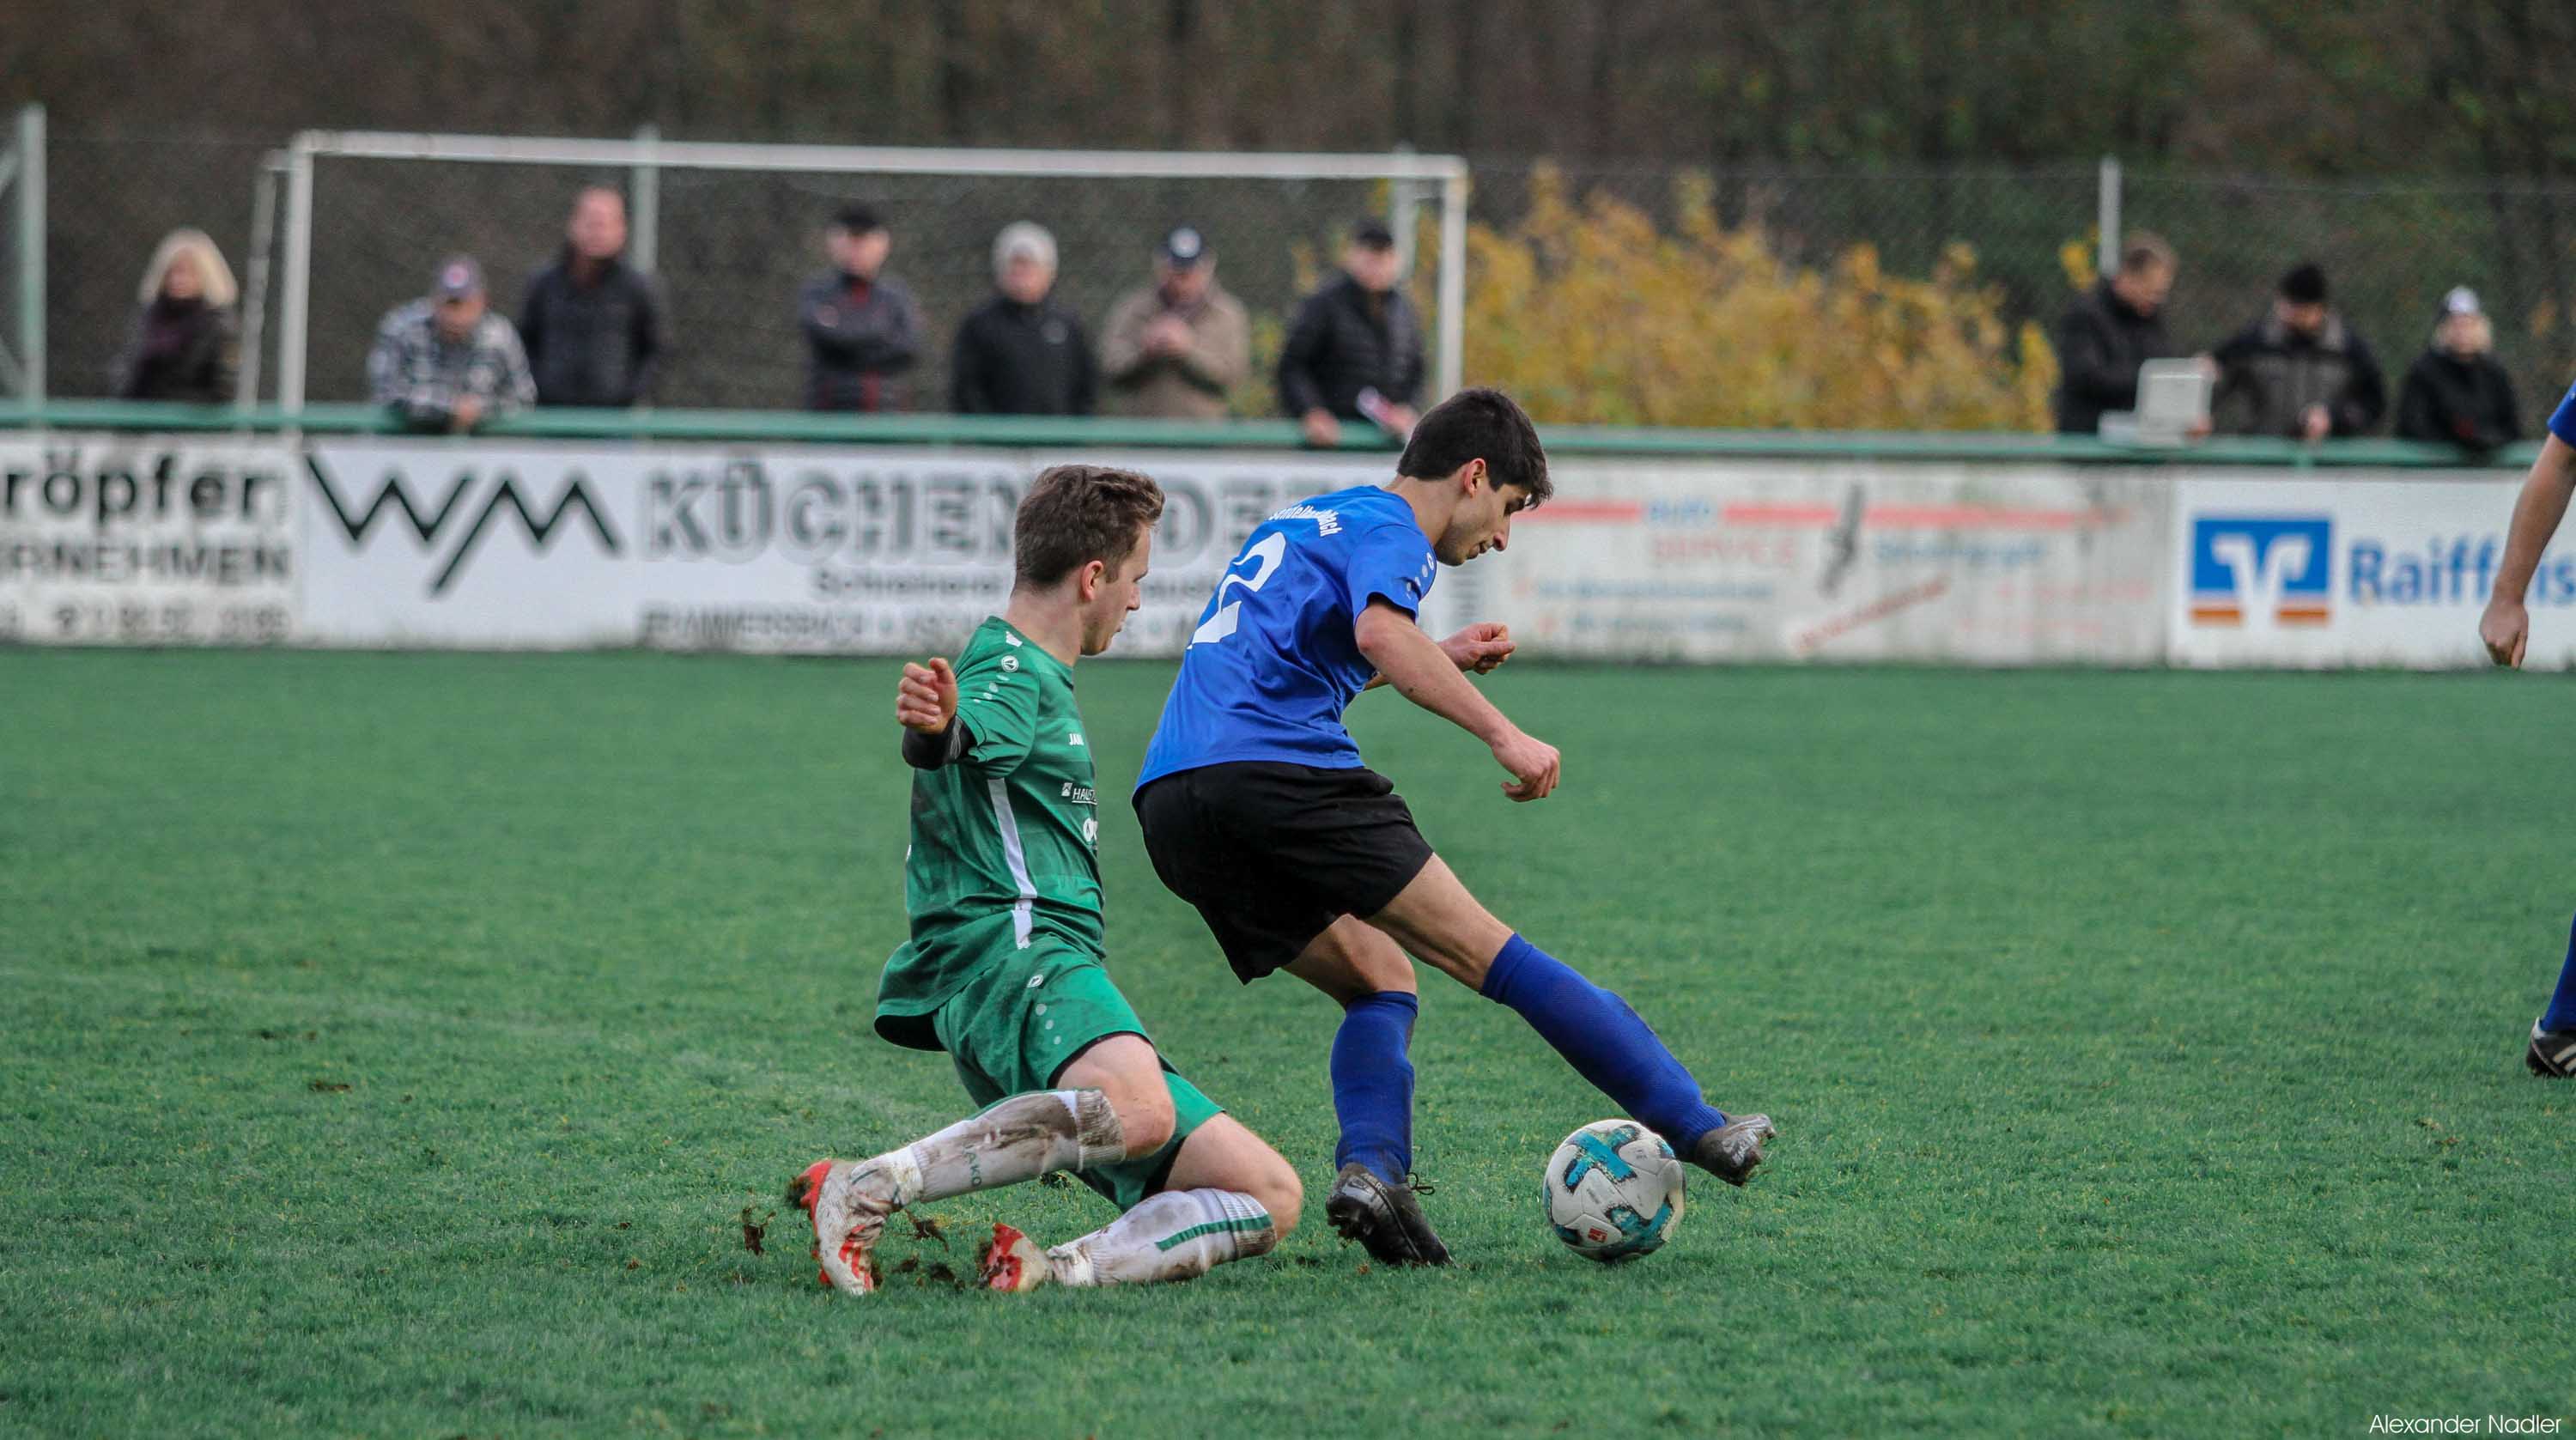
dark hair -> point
(1075, 514)
(2146, 250)
(858, 219)
(2305, 285)
(1482, 425)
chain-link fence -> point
(735, 246)
(2390, 252)
(109, 202)
(2015, 221)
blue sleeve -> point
(1393, 561)
(2563, 424)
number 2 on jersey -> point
(1264, 558)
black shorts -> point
(1273, 854)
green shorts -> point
(1026, 1016)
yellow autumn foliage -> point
(1591, 314)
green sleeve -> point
(997, 701)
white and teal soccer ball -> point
(1613, 1191)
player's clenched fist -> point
(1533, 764)
(2506, 629)
(927, 699)
(1480, 647)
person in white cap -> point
(2456, 393)
(446, 362)
(1022, 352)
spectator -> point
(1021, 353)
(589, 322)
(186, 340)
(1354, 350)
(1175, 347)
(2455, 391)
(446, 362)
(2299, 371)
(862, 330)
(2109, 331)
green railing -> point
(1051, 432)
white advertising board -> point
(2364, 569)
(1732, 561)
(146, 540)
(783, 548)
(499, 544)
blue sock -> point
(1373, 1084)
(1603, 1040)
(2561, 1014)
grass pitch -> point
(393, 1042)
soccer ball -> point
(1613, 1191)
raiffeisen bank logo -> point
(2278, 567)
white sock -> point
(1177, 1235)
(1014, 1140)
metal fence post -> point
(1453, 282)
(297, 292)
(644, 237)
(1402, 199)
(2107, 216)
(31, 253)
(254, 312)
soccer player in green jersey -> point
(1003, 970)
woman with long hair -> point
(186, 339)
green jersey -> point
(1002, 839)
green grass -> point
(390, 1044)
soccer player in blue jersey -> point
(2506, 629)
(1257, 810)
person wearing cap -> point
(2300, 371)
(862, 329)
(1173, 349)
(2455, 392)
(2109, 331)
(588, 321)
(1022, 352)
(446, 362)
(1354, 349)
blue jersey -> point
(1276, 656)
(2563, 424)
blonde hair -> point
(213, 275)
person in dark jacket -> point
(588, 321)
(2300, 371)
(1354, 349)
(862, 330)
(1021, 353)
(2109, 331)
(2455, 392)
(186, 342)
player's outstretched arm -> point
(925, 704)
(2506, 626)
(1480, 649)
(1427, 675)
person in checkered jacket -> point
(447, 362)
